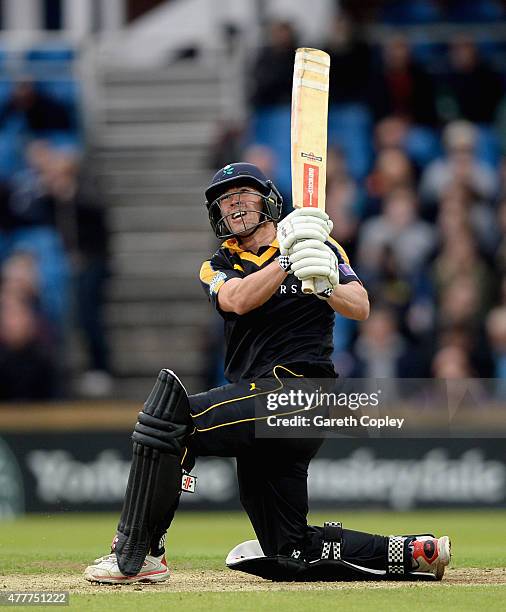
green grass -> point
(436, 598)
(203, 540)
(64, 544)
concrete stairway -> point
(150, 140)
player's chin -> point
(240, 228)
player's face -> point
(241, 208)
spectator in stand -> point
(26, 367)
(390, 133)
(343, 201)
(28, 204)
(380, 350)
(20, 278)
(350, 62)
(27, 226)
(401, 87)
(460, 207)
(273, 71)
(389, 287)
(399, 227)
(392, 170)
(460, 306)
(452, 362)
(459, 303)
(421, 144)
(409, 297)
(460, 166)
(474, 89)
(82, 224)
(452, 221)
(40, 112)
(458, 261)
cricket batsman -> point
(272, 330)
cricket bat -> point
(310, 102)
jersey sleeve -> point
(346, 272)
(215, 272)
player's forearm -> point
(243, 295)
(351, 301)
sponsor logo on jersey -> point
(346, 270)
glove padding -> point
(303, 224)
(323, 289)
(316, 260)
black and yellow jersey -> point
(291, 327)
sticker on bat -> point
(310, 186)
(311, 156)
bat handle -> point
(308, 286)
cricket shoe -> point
(105, 570)
(431, 555)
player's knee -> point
(164, 422)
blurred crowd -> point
(416, 187)
(53, 253)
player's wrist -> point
(285, 264)
(326, 294)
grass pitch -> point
(49, 553)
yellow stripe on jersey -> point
(232, 245)
(259, 260)
(206, 273)
(238, 267)
(340, 249)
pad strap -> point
(395, 558)
(156, 433)
(332, 536)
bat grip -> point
(308, 286)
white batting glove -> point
(315, 259)
(303, 224)
(323, 289)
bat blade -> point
(309, 131)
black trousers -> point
(272, 473)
